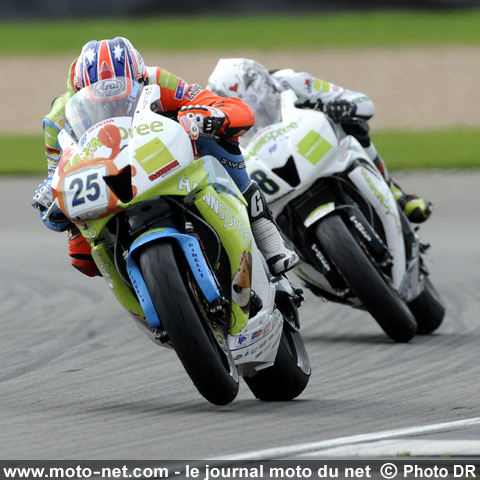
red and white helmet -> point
(100, 60)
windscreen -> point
(114, 97)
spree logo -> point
(95, 143)
(224, 214)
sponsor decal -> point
(364, 98)
(224, 214)
(180, 89)
(308, 85)
(382, 199)
(320, 85)
(313, 147)
(153, 155)
(163, 171)
(360, 228)
(240, 340)
(103, 266)
(53, 151)
(108, 88)
(185, 184)
(146, 99)
(192, 91)
(231, 164)
(97, 127)
(134, 93)
(320, 256)
(273, 148)
(267, 328)
(95, 143)
(269, 136)
(91, 231)
(257, 334)
(234, 88)
(167, 80)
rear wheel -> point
(288, 376)
(375, 292)
(210, 367)
(428, 309)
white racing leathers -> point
(311, 89)
(311, 92)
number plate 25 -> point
(85, 193)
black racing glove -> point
(339, 110)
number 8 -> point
(266, 184)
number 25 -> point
(91, 184)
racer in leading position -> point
(250, 81)
(196, 109)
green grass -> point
(445, 149)
(367, 29)
(435, 149)
(22, 155)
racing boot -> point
(280, 258)
(416, 209)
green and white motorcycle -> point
(171, 237)
(357, 247)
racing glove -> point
(339, 110)
(42, 200)
(197, 119)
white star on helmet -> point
(117, 51)
(90, 55)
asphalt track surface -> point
(78, 380)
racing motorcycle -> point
(171, 237)
(333, 205)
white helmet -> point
(241, 78)
(249, 81)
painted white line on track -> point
(289, 450)
(401, 448)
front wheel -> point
(211, 369)
(377, 295)
(288, 376)
(428, 309)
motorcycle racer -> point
(197, 109)
(250, 81)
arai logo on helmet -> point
(108, 88)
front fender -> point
(194, 255)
